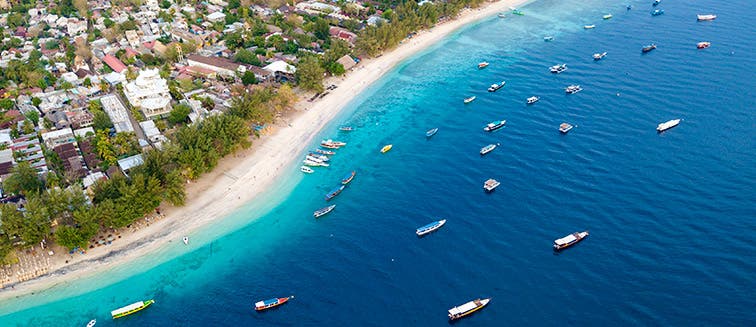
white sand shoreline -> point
(242, 177)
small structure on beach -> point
(347, 61)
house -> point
(219, 65)
(132, 37)
(149, 93)
(343, 34)
(347, 61)
(152, 132)
(127, 163)
(73, 163)
(281, 70)
(114, 63)
(92, 178)
(117, 113)
(75, 26)
(58, 137)
(216, 17)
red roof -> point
(114, 63)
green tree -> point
(6, 104)
(179, 114)
(23, 180)
(36, 225)
(310, 74)
(247, 57)
(248, 78)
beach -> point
(241, 177)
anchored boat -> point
(556, 69)
(431, 132)
(703, 45)
(346, 128)
(648, 48)
(548, 38)
(306, 170)
(323, 211)
(348, 178)
(533, 99)
(706, 17)
(334, 192)
(656, 3)
(386, 148)
(667, 125)
(429, 228)
(569, 240)
(572, 89)
(657, 12)
(483, 65)
(491, 185)
(565, 127)
(494, 125)
(331, 144)
(92, 323)
(267, 304)
(467, 308)
(495, 87)
(607, 16)
(488, 148)
(131, 308)
(470, 99)
(588, 27)
(599, 56)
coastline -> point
(245, 175)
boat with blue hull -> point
(430, 228)
(334, 192)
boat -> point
(518, 12)
(656, 3)
(314, 163)
(326, 152)
(502, 15)
(470, 99)
(483, 65)
(348, 178)
(274, 302)
(629, 7)
(346, 128)
(491, 185)
(706, 17)
(323, 211)
(429, 228)
(607, 16)
(495, 87)
(319, 156)
(588, 27)
(92, 323)
(488, 148)
(334, 192)
(313, 158)
(572, 89)
(648, 48)
(467, 308)
(494, 125)
(556, 69)
(186, 240)
(386, 148)
(548, 38)
(431, 132)
(569, 240)
(306, 170)
(657, 12)
(331, 144)
(533, 99)
(667, 125)
(703, 45)
(131, 308)
(599, 56)
(565, 127)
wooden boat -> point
(331, 144)
(470, 99)
(648, 48)
(703, 45)
(657, 12)
(386, 148)
(348, 178)
(569, 240)
(494, 125)
(565, 127)
(323, 211)
(431, 132)
(467, 308)
(270, 303)
(306, 170)
(326, 152)
(429, 228)
(131, 308)
(346, 128)
(589, 27)
(483, 65)
(533, 99)
(667, 125)
(488, 148)
(706, 17)
(491, 185)
(607, 16)
(334, 192)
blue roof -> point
(428, 225)
(270, 301)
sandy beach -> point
(242, 176)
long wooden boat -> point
(467, 308)
(569, 240)
(348, 178)
(431, 132)
(131, 308)
(323, 211)
(270, 303)
(386, 148)
(334, 192)
(429, 228)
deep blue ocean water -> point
(672, 216)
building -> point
(216, 17)
(219, 65)
(152, 133)
(114, 64)
(347, 62)
(281, 70)
(342, 33)
(118, 114)
(149, 93)
(53, 139)
(127, 163)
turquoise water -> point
(671, 215)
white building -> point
(117, 113)
(149, 92)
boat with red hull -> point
(270, 303)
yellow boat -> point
(387, 148)
(131, 308)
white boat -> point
(599, 56)
(467, 308)
(322, 157)
(607, 16)
(667, 125)
(483, 65)
(313, 158)
(569, 240)
(707, 17)
(306, 170)
(321, 212)
(495, 87)
(533, 99)
(548, 38)
(470, 99)
(502, 15)
(491, 185)
(186, 240)
(572, 89)
(588, 27)
(488, 148)
(92, 323)
(429, 228)
(556, 69)
(314, 163)
(565, 127)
